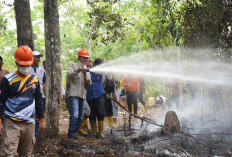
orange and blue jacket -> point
(131, 84)
(20, 98)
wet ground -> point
(143, 140)
(63, 147)
(120, 143)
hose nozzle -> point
(87, 70)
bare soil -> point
(112, 145)
(144, 141)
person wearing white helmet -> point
(40, 73)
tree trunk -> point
(53, 68)
(23, 22)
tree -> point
(203, 24)
(23, 21)
(107, 24)
(52, 49)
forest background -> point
(113, 28)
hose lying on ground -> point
(148, 120)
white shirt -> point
(40, 73)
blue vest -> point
(96, 89)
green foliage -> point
(111, 29)
(8, 42)
(154, 89)
(37, 16)
(155, 26)
(203, 24)
(106, 22)
(3, 22)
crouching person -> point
(20, 98)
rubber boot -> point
(100, 128)
(111, 121)
(106, 122)
(81, 131)
(111, 124)
(93, 127)
(146, 108)
(85, 127)
(132, 108)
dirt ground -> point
(144, 141)
(116, 144)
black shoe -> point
(72, 137)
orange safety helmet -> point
(83, 53)
(24, 56)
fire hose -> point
(148, 120)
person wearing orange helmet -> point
(78, 79)
(83, 130)
(20, 98)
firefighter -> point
(131, 84)
(110, 92)
(95, 98)
(83, 130)
(20, 98)
(78, 81)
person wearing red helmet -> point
(77, 82)
(20, 98)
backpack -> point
(109, 86)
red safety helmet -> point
(83, 53)
(24, 56)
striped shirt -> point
(20, 97)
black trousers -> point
(140, 97)
(132, 99)
(108, 107)
(97, 108)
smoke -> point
(166, 64)
(205, 84)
